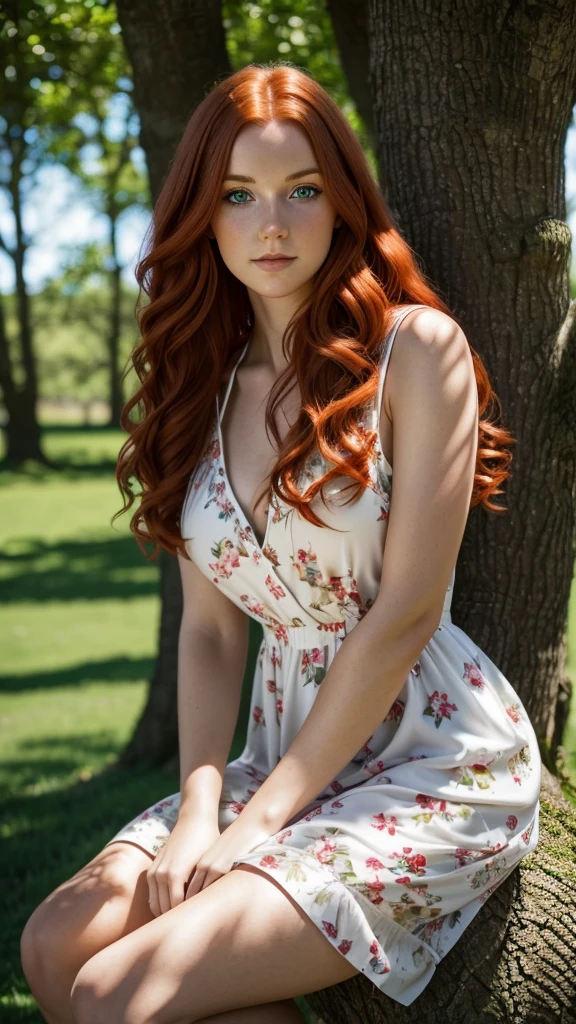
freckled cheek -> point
(234, 235)
(315, 217)
(239, 229)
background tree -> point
(70, 321)
(63, 63)
(112, 184)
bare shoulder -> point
(428, 342)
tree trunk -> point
(177, 50)
(350, 25)
(170, 79)
(21, 430)
(22, 434)
(114, 388)
(472, 106)
(155, 738)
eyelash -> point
(233, 191)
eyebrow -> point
(290, 177)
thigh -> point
(115, 873)
(240, 942)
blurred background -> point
(79, 616)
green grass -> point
(78, 627)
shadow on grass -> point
(50, 759)
(76, 570)
(108, 670)
(71, 457)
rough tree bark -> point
(472, 102)
(350, 26)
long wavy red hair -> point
(199, 315)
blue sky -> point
(57, 215)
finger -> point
(176, 891)
(163, 893)
(160, 897)
(209, 877)
(195, 884)
(153, 901)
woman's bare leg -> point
(105, 900)
(283, 1012)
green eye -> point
(316, 191)
(243, 191)
(235, 192)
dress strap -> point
(399, 313)
(222, 410)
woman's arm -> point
(212, 649)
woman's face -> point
(259, 211)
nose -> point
(272, 224)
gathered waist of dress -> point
(330, 634)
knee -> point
(99, 995)
(88, 998)
(35, 945)
(58, 930)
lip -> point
(274, 262)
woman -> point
(390, 777)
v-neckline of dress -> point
(260, 545)
(220, 410)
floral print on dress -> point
(477, 774)
(396, 712)
(273, 687)
(474, 676)
(331, 591)
(519, 764)
(440, 803)
(513, 712)
(276, 589)
(228, 559)
(312, 664)
(382, 486)
(439, 707)
(443, 809)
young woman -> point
(390, 779)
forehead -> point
(259, 146)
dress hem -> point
(399, 963)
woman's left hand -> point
(236, 840)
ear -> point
(338, 221)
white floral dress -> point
(399, 853)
